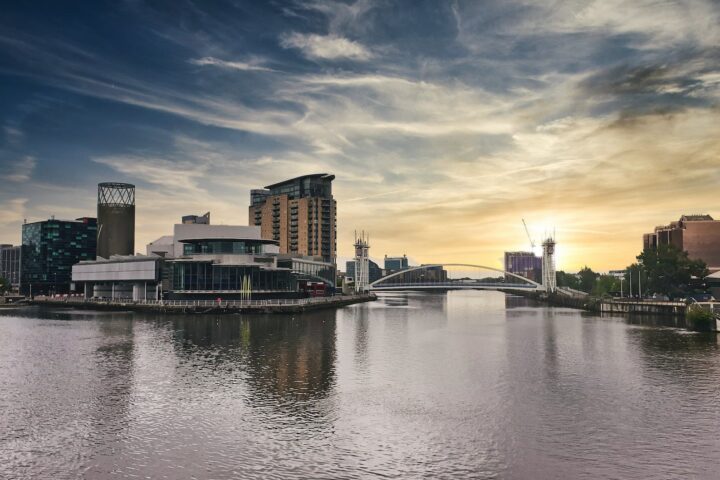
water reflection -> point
(416, 385)
(281, 358)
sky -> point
(445, 122)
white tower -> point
(362, 263)
(549, 278)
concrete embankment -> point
(207, 306)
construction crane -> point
(532, 244)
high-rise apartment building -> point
(49, 250)
(196, 219)
(299, 213)
(698, 235)
(525, 264)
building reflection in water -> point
(281, 357)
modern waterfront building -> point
(49, 250)
(115, 219)
(299, 214)
(698, 235)
(395, 264)
(526, 264)
(10, 264)
(180, 242)
(375, 272)
(206, 262)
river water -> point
(415, 385)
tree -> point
(587, 279)
(567, 280)
(670, 271)
(605, 285)
(4, 285)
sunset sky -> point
(445, 122)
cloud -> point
(12, 211)
(232, 65)
(20, 170)
(434, 119)
(166, 174)
(329, 47)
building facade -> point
(299, 214)
(395, 264)
(10, 264)
(49, 250)
(375, 272)
(207, 262)
(698, 235)
(526, 264)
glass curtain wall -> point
(206, 276)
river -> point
(416, 385)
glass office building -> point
(374, 271)
(10, 264)
(395, 264)
(49, 250)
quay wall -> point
(208, 306)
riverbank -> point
(209, 306)
(677, 310)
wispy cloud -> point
(19, 170)
(232, 65)
(326, 47)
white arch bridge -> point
(435, 277)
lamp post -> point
(621, 286)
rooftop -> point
(696, 218)
(323, 176)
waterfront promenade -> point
(290, 305)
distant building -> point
(698, 235)
(49, 250)
(197, 219)
(10, 264)
(525, 264)
(374, 269)
(299, 214)
(434, 274)
(395, 264)
(617, 273)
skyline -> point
(444, 123)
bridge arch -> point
(379, 282)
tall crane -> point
(532, 244)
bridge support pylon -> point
(362, 263)
(549, 277)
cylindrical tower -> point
(115, 219)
